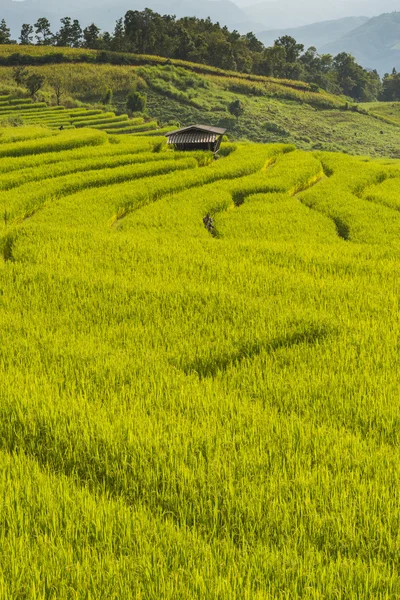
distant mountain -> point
(316, 34)
(375, 44)
(105, 12)
(284, 14)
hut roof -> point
(216, 130)
(195, 134)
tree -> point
(91, 37)
(34, 83)
(64, 36)
(136, 102)
(253, 44)
(26, 37)
(5, 35)
(292, 49)
(119, 42)
(70, 33)
(76, 34)
(391, 87)
(273, 63)
(44, 36)
(351, 77)
(236, 108)
(140, 30)
(20, 74)
(57, 81)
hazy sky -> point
(256, 15)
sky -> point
(256, 15)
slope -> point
(275, 110)
(186, 416)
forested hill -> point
(162, 94)
(204, 42)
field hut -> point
(197, 137)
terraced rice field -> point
(54, 117)
(191, 412)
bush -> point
(236, 108)
(136, 102)
(108, 97)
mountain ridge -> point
(315, 34)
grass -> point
(188, 416)
(275, 110)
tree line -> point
(202, 41)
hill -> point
(192, 413)
(317, 34)
(178, 92)
(375, 44)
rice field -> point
(191, 412)
(56, 117)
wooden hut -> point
(197, 137)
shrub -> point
(236, 108)
(136, 102)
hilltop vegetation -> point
(275, 110)
(204, 42)
(192, 413)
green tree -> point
(136, 102)
(58, 82)
(26, 37)
(292, 49)
(391, 87)
(64, 36)
(43, 36)
(119, 42)
(141, 30)
(253, 44)
(76, 34)
(20, 74)
(70, 33)
(236, 108)
(220, 52)
(273, 62)
(91, 37)
(5, 35)
(34, 83)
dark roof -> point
(200, 128)
(192, 137)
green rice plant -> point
(191, 412)
(63, 141)
(122, 124)
(144, 127)
(152, 132)
(124, 146)
(10, 135)
(94, 118)
(84, 164)
(386, 192)
(23, 201)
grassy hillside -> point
(183, 93)
(192, 413)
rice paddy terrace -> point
(56, 117)
(191, 412)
